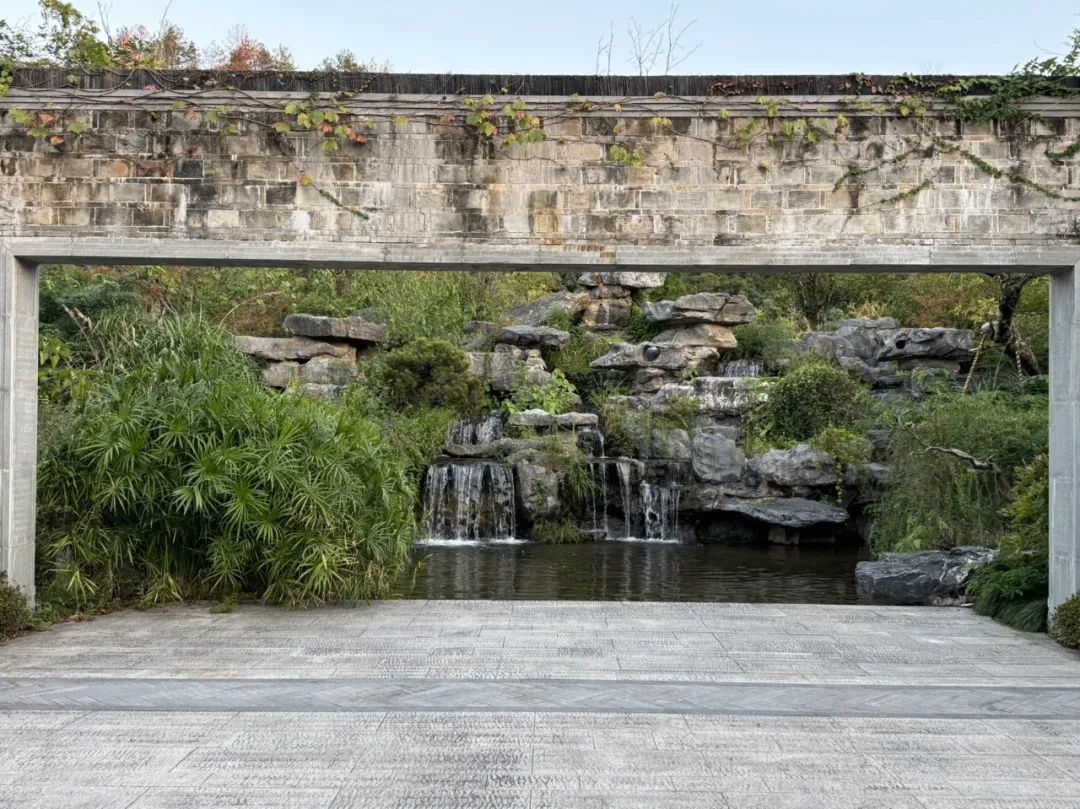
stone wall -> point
(420, 190)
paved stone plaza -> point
(540, 704)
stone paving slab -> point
(569, 705)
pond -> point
(637, 571)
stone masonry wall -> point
(157, 172)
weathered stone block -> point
(353, 329)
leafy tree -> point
(429, 373)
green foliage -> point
(938, 500)
(15, 614)
(557, 395)
(181, 476)
(573, 359)
(64, 36)
(558, 532)
(639, 329)
(428, 373)
(1065, 625)
(844, 445)
(1014, 592)
(1029, 512)
(771, 341)
(812, 396)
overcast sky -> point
(560, 36)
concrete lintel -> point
(777, 258)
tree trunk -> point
(1001, 331)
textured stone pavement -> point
(539, 704)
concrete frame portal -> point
(20, 258)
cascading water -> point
(469, 501)
(742, 368)
(476, 430)
(660, 508)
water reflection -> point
(638, 571)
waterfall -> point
(660, 507)
(753, 368)
(469, 501)
(625, 470)
(476, 430)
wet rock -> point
(537, 489)
(634, 280)
(327, 371)
(701, 334)
(279, 374)
(533, 337)
(935, 578)
(800, 467)
(541, 311)
(673, 444)
(351, 329)
(703, 307)
(786, 512)
(716, 458)
(290, 348)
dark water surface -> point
(638, 571)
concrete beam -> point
(18, 419)
(1064, 435)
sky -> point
(561, 36)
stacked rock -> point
(516, 356)
(611, 297)
(696, 331)
(320, 355)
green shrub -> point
(1029, 512)
(844, 445)
(769, 341)
(639, 329)
(809, 398)
(557, 395)
(181, 476)
(429, 373)
(574, 359)
(1065, 625)
(937, 500)
(1013, 592)
(15, 615)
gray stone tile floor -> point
(539, 704)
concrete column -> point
(18, 419)
(1064, 435)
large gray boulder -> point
(787, 512)
(671, 444)
(716, 458)
(351, 329)
(702, 307)
(533, 337)
(279, 374)
(935, 578)
(278, 349)
(802, 466)
(926, 344)
(540, 311)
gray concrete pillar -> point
(1064, 435)
(18, 419)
